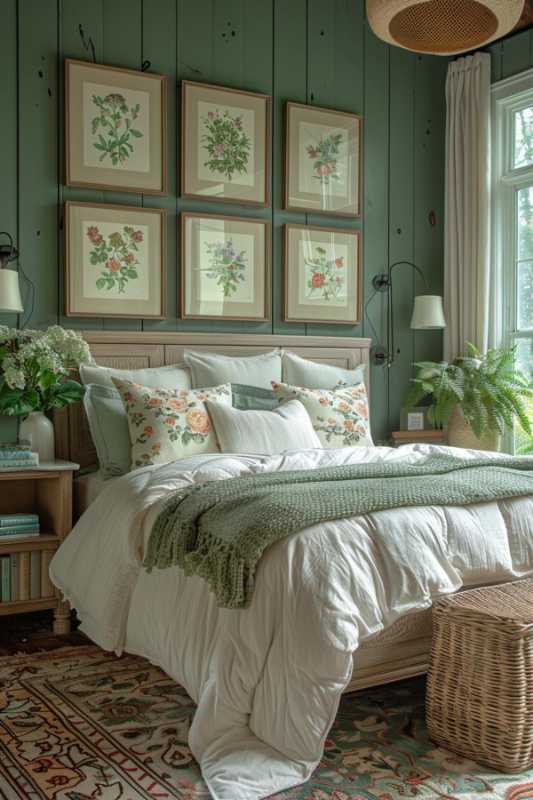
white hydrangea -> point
(73, 349)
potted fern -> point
(477, 396)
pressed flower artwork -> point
(115, 128)
(325, 274)
(116, 125)
(323, 152)
(225, 146)
(322, 275)
(226, 142)
(114, 260)
(226, 269)
(117, 257)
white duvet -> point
(267, 679)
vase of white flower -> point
(38, 430)
(34, 379)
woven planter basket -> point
(442, 26)
(479, 700)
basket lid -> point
(512, 602)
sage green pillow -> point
(253, 398)
(108, 423)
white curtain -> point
(467, 263)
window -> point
(513, 221)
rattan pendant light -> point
(444, 27)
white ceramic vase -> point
(39, 431)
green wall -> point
(316, 51)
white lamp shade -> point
(10, 299)
(428, 313)
(444, 27)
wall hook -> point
(88, 45)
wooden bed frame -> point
(399, 652)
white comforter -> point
(267, 679)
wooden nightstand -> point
(47, 491)
(419, 437)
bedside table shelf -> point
(46, 491)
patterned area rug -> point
(77, 724)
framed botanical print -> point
(225, 144)
(113, 261)
(225, 267)
(322, 160)
(323, 275)
(115, 128)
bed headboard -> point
(136, 349)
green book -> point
(5, 571)
(30, 528)
(35, 575)
(14, 560)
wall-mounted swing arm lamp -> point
(428, 313)
(10, 299)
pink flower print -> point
(312, 152)
(323, 401)
(177, 405)
(219, 149)
(343, 406)
(137, 236)
(169, 421)
(148, 430)
(200, 397)
(129, 259)
(318, 279)
(92, 232)
(323, 170)
(154, 402)
(210, 115)
(112, 264)
(332, 421)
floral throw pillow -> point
(166, 424)
(339, 416)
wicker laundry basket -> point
(479, 700)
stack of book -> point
(24, 576)
(18, 526)
(17, 455)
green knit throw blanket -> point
(220, 529)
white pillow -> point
(302, 372)
(167, 424)
(212, 369)
(265, 432)
(339, 416)
(174, 376)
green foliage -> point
(227, 144)
(488, 389)
(114, 127)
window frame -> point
(508, 97)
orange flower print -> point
(343, 406)
(332, 421)
(177, 405)
(169, 421)
(348, 424)
(339, 262)
(318, 279)
(156, 447)
(113, 264)
(154, 401)
(362, 410)
(323, 401)
(148, 430)
(198, 421)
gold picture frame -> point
(323, 160)
(114, 261)
(225, 267)
(323, 275)
(225, 144)
(115, 128)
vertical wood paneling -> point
(159, 47)
(122, 47)
(401, 223)
(38, 150)
(87, 14)
(290, 83)
(8, 158)
(336, 71)
(429, 134)
(301, 50)
(376, 212)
